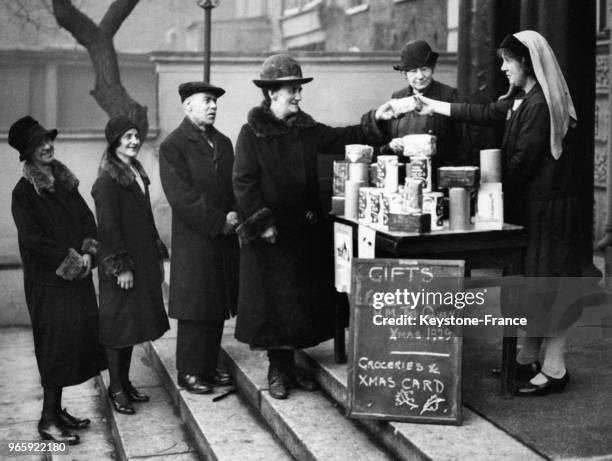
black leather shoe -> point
(549, 386)
(194, 384)
(299, 379)
(524, 372)
(68, 421)
(218, 378)
(276, 384)
(133, 394)
(51, 430)
(121, 402)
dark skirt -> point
(65, 328)
(286, 290)
(551, 299)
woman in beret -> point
(538, 149)
(57, 242)
(131, 259)
(285, 298)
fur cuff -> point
(90, 246)
(162, 250)
(370, 128)
(71, 267)
(254, 225)
(116, 264)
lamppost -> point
(207, 6)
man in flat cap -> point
(196, 164)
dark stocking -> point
(114, 369)
(52, 401)
(125, 359)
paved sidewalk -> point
(21, 402)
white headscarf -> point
(549, 76)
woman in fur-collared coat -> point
(57, 242)
(286, 267)
(131, 256)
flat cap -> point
(188, 88)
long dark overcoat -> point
(54, 227)
(128, 241)
(539, 192)
(197, 181)
(452, 139)
(286, 288)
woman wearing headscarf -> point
(286, 281)
(57, 242)
(131, 259)
(538, 149)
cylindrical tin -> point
(359, 172)
(358, 153)
(340, 177)
(351, 199)
(413, 195)
(459, 204)
(420, 168)
(490, 165)
(433, 205)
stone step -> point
(409, 441)
(308, 423)
(226, 430)
(21, 402)
(155, 432)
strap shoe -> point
(276, 383)
(133, 394)
(68, 421)
(121, 403)
(51, 430)
(193, 384)
(549, 386)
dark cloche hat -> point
(416, 54)
(26, 134)
(188, 88)
(116, 126)
(280, 69)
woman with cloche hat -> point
(538, 149)
(57, 242)
(131, 256)
(286, 282)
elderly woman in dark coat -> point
(286, 284)
(538, 153)
(131, 256)
(57, 242)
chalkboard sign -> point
(404, 350)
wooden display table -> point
(479, 248)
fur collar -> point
(265, 124)
(120, 171)
(42, 182)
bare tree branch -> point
(116, 14)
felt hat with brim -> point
(26, 134)
(416, 54)
(280, 69)
(188, 88)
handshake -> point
(394, 108)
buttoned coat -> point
(55, 227)
(128, 241)
(197, 181)
(286, 288)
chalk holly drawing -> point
(432, 404)
(404, 397)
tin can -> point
(374, 204)
(413, 195)
(433, 205)
(420, 168)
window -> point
(250, 8)
(604, 14)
